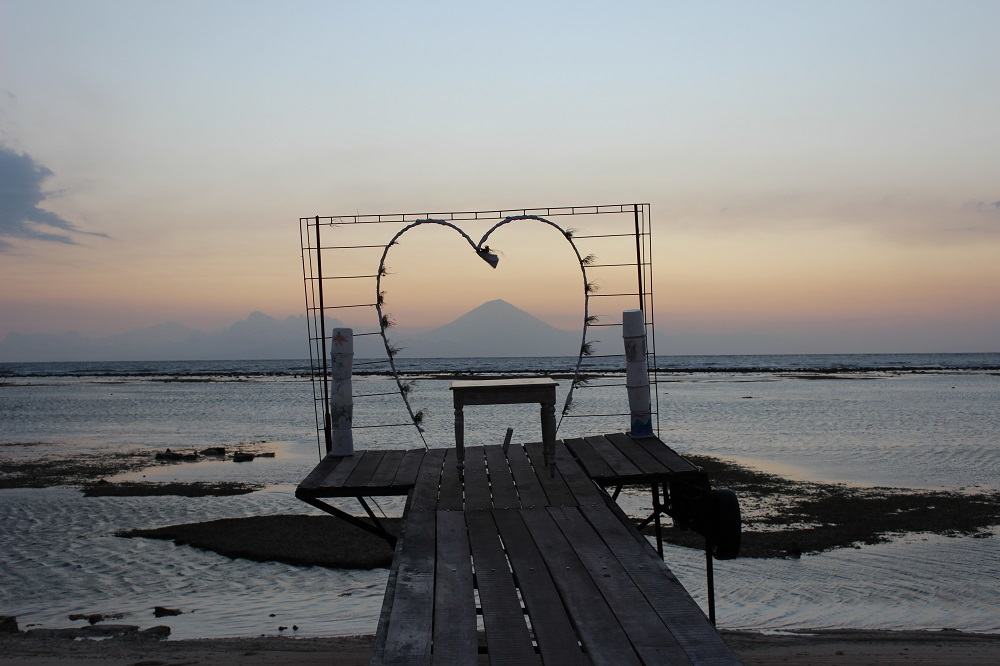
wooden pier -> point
(509, 563)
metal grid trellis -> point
(602, 230)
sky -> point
(824, 177)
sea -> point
(927, 421)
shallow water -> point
(920, 581)
(61, 557)
(872, 428)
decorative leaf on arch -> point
(380, 300)
(591, 287)
(568, 232)
(393, 350)
(589, 260)
(587, 349)
(386, 322)
(591, 319)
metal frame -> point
(629, 220)
(375, 527)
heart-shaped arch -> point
(483, 250)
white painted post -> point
(637, 373)
(341, 390)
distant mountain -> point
(496, 328)
(259, 336)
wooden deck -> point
(517, 566)
(607, 459)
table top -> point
(533, 382)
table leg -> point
(549, 435)
(460, 436)
(656, 512)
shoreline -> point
(782, 517)
(844, 646)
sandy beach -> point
(819, 647)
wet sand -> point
(784, 517)
(293, 539)
(865, 647)
(821, 647)
(104, 488)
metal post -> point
(656, 519)
(327, 431)
(638, 258)
(710, 581)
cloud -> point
(21, 192)
(987, 206)
(902, 217)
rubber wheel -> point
(724, 527)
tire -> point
(725, 527)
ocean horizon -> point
(694, 363)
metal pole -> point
(327, 431)
(710, 581)
(638, 257)
(656, 519)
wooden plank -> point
(507, 637)
(450, 491)
(644, 460)
(666, 455)
(576, 479)
(556, 490)
(320, 472)
(499, 384)
(672, 603)
(378, 656)
(455, 640)
(477, 484)
(423, 497)
(597, 627)
(501, 481)
(406, 475)
(593, 463)
(616, 460)
(529, 490)
(645, 629)
(342, 471)
(557, 641)
(364, 469)
(408, 639)
(384, 474)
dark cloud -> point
(21, 192)
(986, 206)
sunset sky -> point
(823, 177)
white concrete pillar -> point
(341, 391)
(637, 373)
